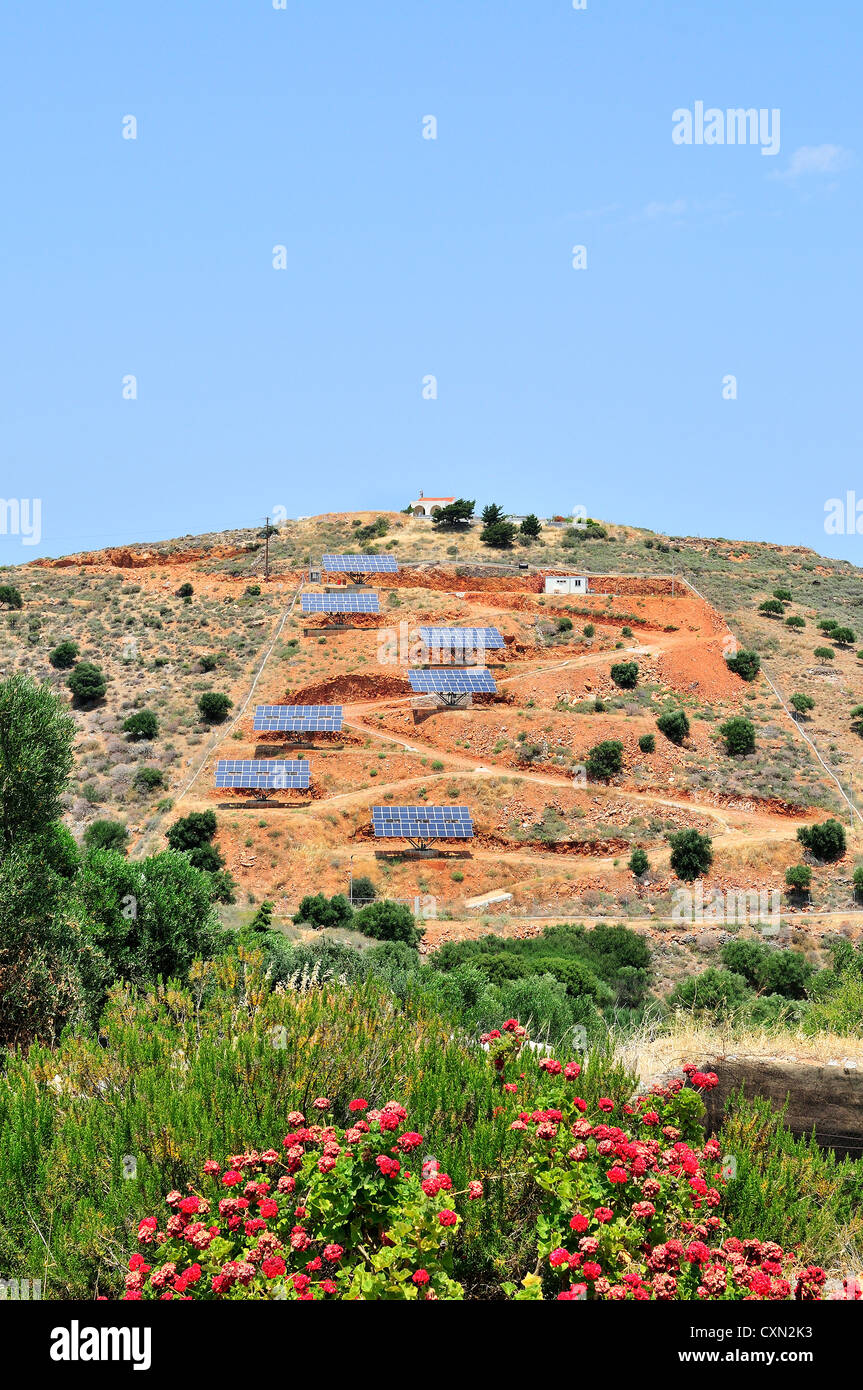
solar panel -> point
(453, 681)
(360, 564)
(339, 603)
(266, 774)
(448, 637)
(422, 822)
(298, 718)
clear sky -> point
(408, 257)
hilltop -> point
(548, 844)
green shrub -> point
(87, 683)
(738, 735)
(825, 841)
(214, 706)
(387, 921)
(142, 724)
(674, 724)
(625, 674)
(605, 760)
(691, 854)
(106, 834)
(647, 743)
(745, 664)
(64, 655)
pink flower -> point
(420, 1276)
(474, 1190)
(358, 1104)
(447, 1217)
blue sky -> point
(407, 257)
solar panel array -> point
(447, 637)
(360, 564)
(298, 718)
(263, 773)
(422, 822)
(339, 603)
(476, 681)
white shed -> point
(566, 583)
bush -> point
(531, 527)
(605, 760)
(214, 706)
(388, 921)
(858, 879)
(691, 854)
(738, 735)
(64, 655)
(185, 591)
(745, 664)
(320, 911)
(10, 597)
(142, 724)
(784, 595)
(772, 608)
(798, 878)
(795, 621)
(801, 703)
(106, 834)
(87, 683)
(625, 674)
(208, 662)
(825, 841)
(824, 653)
(149, 778)
(647, 743)
(499, 534)
(845, 636)
(363, 890)
(564, 624)
(674, 724)
(638, 863)
(714, 992)
(589, 630)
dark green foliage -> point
(263, 918)
(801, 703)
(784, 595)
(772, 608)
(363, 890)
(150, 918)
(208, 662)
(253, 590)
(457, 513)
(10, 597)
(87, 683)
(715, 992)
(798, 877)
(824, 653)
(320, 911)
(185, 591)
(795, 621)
(674, 724)
(625, 674)
(36, 735)
(214, 706)
(605, 760)
(142, 724)
(148, 778)
(198, 828)
(845, 636)
(691, 854)
(492, 513)
(387, 921)
(531, 526)
(64, 656)
(639, 863)
(825, 841)
(106, 834)
(745, 664)
(738, 735)
(499, 534)
(647, 743)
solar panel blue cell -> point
(453, 681)
(422, 822)
(360, 564)
(298, 718)
(456, 637)
(266, 774)
(339, 603)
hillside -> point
(556, 844)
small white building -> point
(427, 506)
(566, 583)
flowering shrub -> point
(340, 1214)
(631, 1197)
